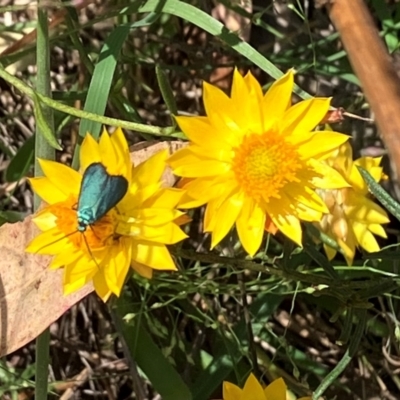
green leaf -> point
(384, 197)
(42, 123)
(22, 161)
(166, 92)
(100, 85)
(163, 377)
(11, 217)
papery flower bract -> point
(253, 390)
(133, 233)
(255, 162)
(353, 218)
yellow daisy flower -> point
(133, 233)
(253, 390)
(255, 162)
(353, 218)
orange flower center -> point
(263, 164)
(96, 236)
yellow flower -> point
(255, 162)
(253, 390)
(133, 233)
(353, 218)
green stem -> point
(42, 150)
(332, 376)
(274, 270)
(348, 355)
(152, 130)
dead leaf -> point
(31, 295)
(144, 150)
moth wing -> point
(100, 191)
(116, 188)
(93, 184)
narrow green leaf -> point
(22, 161)
(384, 197)
(100, 85)
(164, 378)
(42, 123)
(347, 327)
(332, 376)
(358, 332)
(166, 92)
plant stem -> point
(152, 130)
(42, 150)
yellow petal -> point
(50, 242)
(246, 95)
(89, 152)
(107, 151)
(58, 174)
(163, 234)
(365, 238)
(220, 194)
(78, 273)
(320, 144)
(330, 253)
(118, 264)
(167, 198)
(49, 193)
(226, 216)
(138, 196)
(188, 164)
(221, 112)
(206, 189)
(276, 390)
(377, 229)
(153, 255)
(308, 214)
(154, 216)
(69, 255)
(45, 220)
(142, 270)
(150, 171)
(288, 224)
(278, 99)
(201, 132)
(304, 116)
(348, 247)
(371, 165)
(365, 211)
(231, 392)
(223, 154)
(327, 177)
(100, 286)
(120, 145)
(252, 389)
(250, 226)
(298, 194)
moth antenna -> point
(55, 241)
(88, 248)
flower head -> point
(134, 232)
(353, 218)
(253, 390)
(255, 162)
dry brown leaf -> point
(31, 295)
